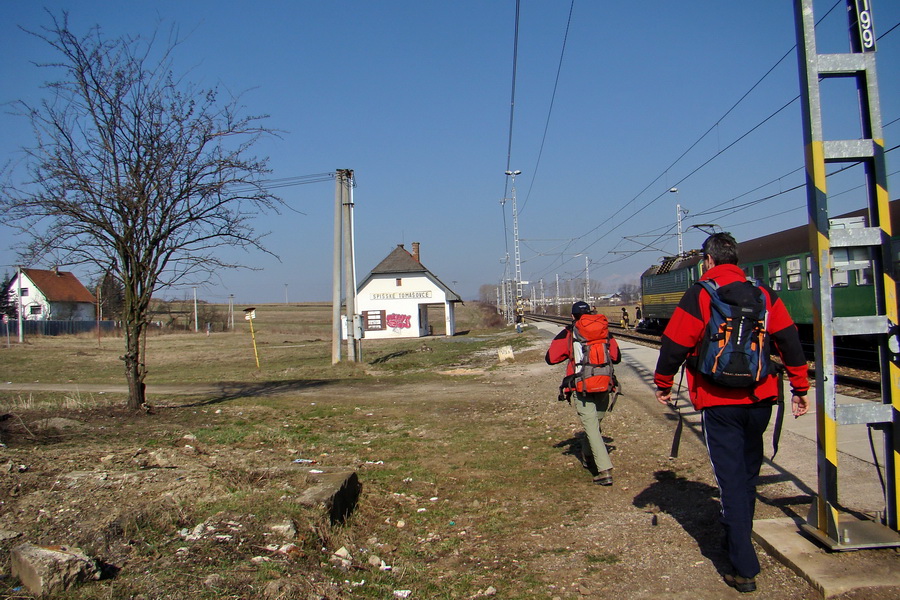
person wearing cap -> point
(591, 407)
(734, 419)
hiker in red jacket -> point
(591, 406)
(734, 418)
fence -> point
(57, 327)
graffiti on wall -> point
(395, 321)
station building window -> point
(775, 276)
(399, 282)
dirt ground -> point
(101, 479)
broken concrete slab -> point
(47, 570)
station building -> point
(394, 298)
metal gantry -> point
(835, 529)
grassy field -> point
(432, 484)
(293, 342)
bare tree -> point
(137, 173)
(487, 293)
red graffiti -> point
(398, 321)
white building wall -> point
(35, 306)
(403, 317)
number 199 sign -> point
(865, 25)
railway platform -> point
(796, 461)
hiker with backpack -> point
(722, 330)
(591, 352)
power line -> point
(694, 144)
(562, 54)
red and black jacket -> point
(686, 328)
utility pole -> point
(20, 306)
(231, 311)
(515, 212)
(336, 271)
(587, 279)
(349, 267)
(557, 293)
(196, 316)
(343, 247)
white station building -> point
(394, 298)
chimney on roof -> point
(415, 252)
(56, 270)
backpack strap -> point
(676, 439)
(779, 411)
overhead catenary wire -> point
(562, 55)
(619, 222)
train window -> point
(839, 278)
(794, 280)
(758, 273)
(775, 276)
(864, 276)
(809, 272)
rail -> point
(856, 381)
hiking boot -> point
(741, 584)
(603, 477)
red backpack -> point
(590, 355)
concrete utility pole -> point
(20, 307)
(349, 271)
(336, 270)
(343, 247)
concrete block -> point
(337, 491)
(47, 570)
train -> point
(782, 261)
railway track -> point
(852, 381)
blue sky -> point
(415, 98)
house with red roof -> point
(46, 295)
(394, 297)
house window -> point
(794, 277)
(399, 282)
(24, 292)
(34, 309)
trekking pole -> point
(676, 439)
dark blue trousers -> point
(734, 439)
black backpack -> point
(734, 350)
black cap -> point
(581, 308)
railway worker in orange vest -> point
(734, 418)
(590, 406)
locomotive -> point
(782, 261)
